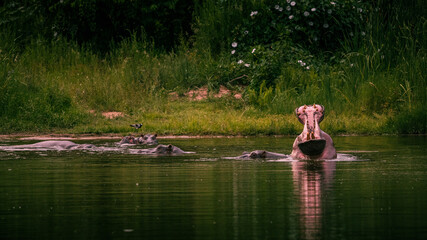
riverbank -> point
(211, 117)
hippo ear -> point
(264, 154)
(296, 114)
(155, 135)
(170, 147)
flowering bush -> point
(279, 33)
(316, 25)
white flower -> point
(240, 61)
(306, 13)
(359, 10)
(303, 64)
(288, 8)
(254, 13)
(247, 65)
(234, 44)
(246, 32)
(280, 9)
(308, 67)
(351, 34)
(333, 3)
(288, 1)
(277, 7)
(310, 23)
(363, 33)
(292, 16)
(351, 64)
(325, 25)
(234, 51)
(253, 50)
(299, 61)
(315, 39)
(313, 9)
(293, 3)
(329, 11)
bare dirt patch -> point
(202, 93)
(112, 115)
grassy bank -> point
(373, 83)
(211, 118)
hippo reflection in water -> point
(147, 139)
(312, 143)
(50, 145)
(160, 150)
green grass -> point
(209, 117)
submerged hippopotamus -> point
(147, 139)
(50, 145)
(261, 154)
(312, 143)
(161, 150)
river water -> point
(376, 189)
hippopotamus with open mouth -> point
(312, 143)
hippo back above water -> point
(50, 145)
(312, 143)
(261, 154)
(161, 150)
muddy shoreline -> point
(99, 136)
(115, 136)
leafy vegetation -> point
(62, 64)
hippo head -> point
(164, 149)
(151, 139)
(311, 141)
(258, 154)
(148, 139)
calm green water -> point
(377, 191)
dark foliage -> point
(99, 23)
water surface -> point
(376, 189)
